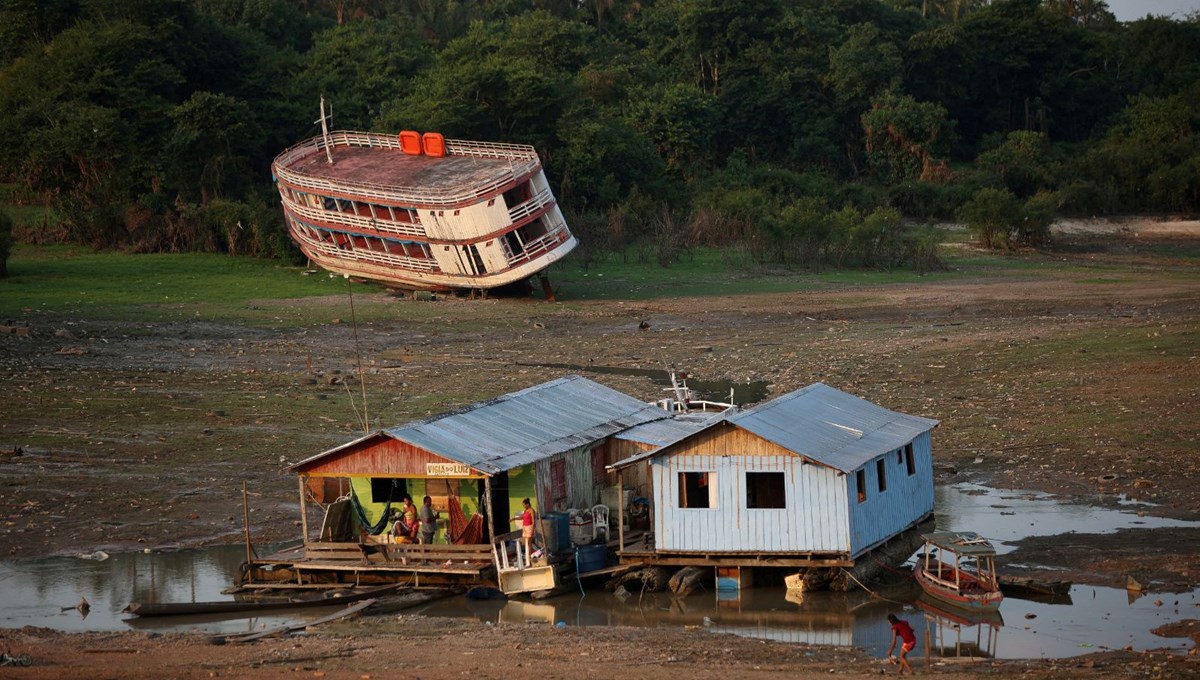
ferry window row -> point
(372, 211)
(351, 241)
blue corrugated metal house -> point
(817, 477)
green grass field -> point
(112, 285)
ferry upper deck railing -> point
(523, 161)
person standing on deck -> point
(429, 518)
(527, 527)
(903, 631)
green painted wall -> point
(468, 496)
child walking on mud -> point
(903, 631)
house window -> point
(384, 489)
(860, 483)
(909, 463)
(765, 490)
(558, 482)
(697, 489)
(881, 475)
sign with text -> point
(447, 470)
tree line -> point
(796, 132)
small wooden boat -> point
(1025, 586)
(959, 568)
(251, 607)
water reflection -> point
(1101, 618)
(843, 619)
(954, 634)
(45, 592)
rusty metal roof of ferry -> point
(376, 163)
(392, 167)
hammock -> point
(380, 526)
(461, 530)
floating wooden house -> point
(420, 212)
(811, 481)
(546, 443)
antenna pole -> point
(362, 381)
(325, 129)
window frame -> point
(755, 490)
(704, 479)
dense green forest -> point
(801, 132)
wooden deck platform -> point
(326, 564)
(637, 551)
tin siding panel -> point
(908, 497)
(815, 519)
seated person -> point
(406, 528)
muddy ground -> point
(1074, 371)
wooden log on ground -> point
(650, 579)
(690, 580)
(395, 603)
(288, 628)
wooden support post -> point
(620, 513)
(303, 509)
(650, 507)
(246, 521)
(547, 289)
(487, 499)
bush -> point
(1036, 217)
(921, 245)
(992, 214)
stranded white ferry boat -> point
(421, 212)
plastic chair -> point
(599, 521)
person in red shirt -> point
(527, 526)
(903, 631)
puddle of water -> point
(45, 592)
(1100, 618)
(36, 591)
(1008, 516)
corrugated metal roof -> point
(526, 426)
(825, 424)
(660, 433)
(831, 426)
(967, 543)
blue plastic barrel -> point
(590, 558)
(561, 522)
